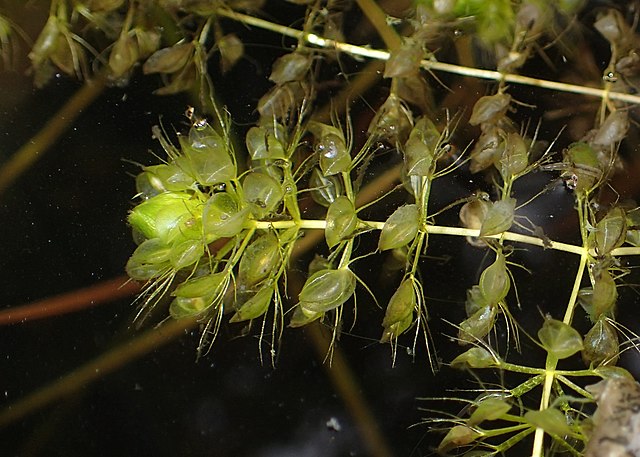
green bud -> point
(327, 289)
(601, 344)
(499, 217)
(165, 216)
(399, 314)
(341, 219)
(262, 193)
(256, 306)
(560, 340)
(222, 216)
(260, 260)
(400, 228)
(494, 281)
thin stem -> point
(378, 18)
(33, 149)
(77, 300)
(95, 369)
(430, 64)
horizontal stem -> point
(363, 51)
(311, 224)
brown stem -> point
(77, 300)
(33, 149)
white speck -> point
(333, 424)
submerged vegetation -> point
(462, 144)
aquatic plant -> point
(453, 150)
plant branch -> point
(33, 149)
(377, 54)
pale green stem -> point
(313, 224)
(429, 64)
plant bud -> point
(260, 260)
(560, 340)
(256, 306)
(400, 228)
(169, 60)
(601, 344)
(222, 216)
(399, 314)
(327, 289)
(499, 217)
(341, 219)
(490, 109)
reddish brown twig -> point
(77, 300)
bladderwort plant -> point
(226, 212)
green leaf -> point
(489, 109)
(495, 281)
(515, 156)
(478, 325)
(260, 260)
(222, 216)
(476, 357)
(256, 306)
(186, 253)
(459, 435)
(499, 217)
(489, 408)
(400, 228)
(399, 314)
(610, 231)
(601, 344)
(165, 216)
(262, 192)
(551, 421)
(560, 340)
(341, 219)
(327, 289)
